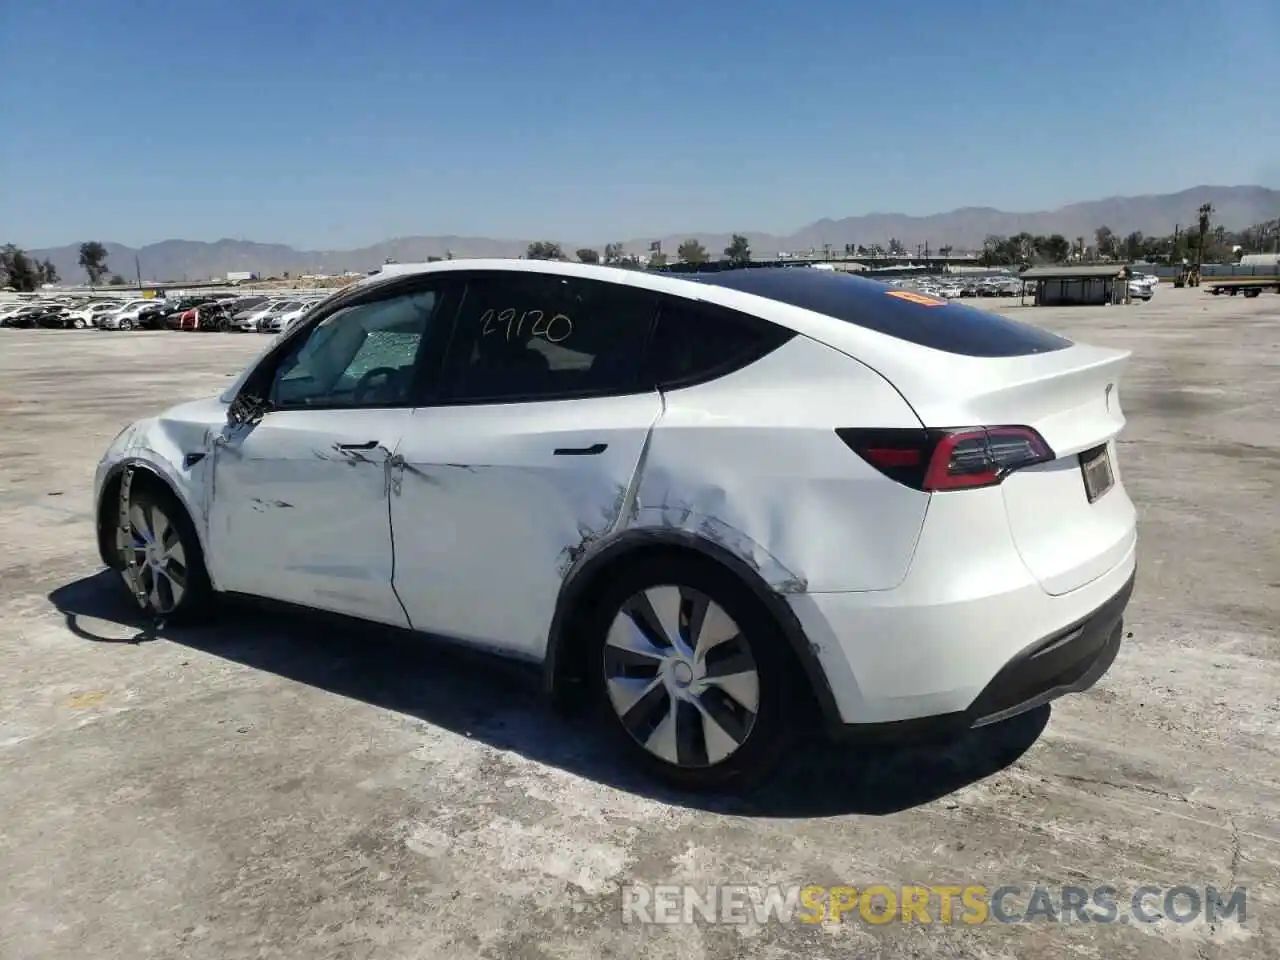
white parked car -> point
(89, 314)
(289, 312)
(258, 319)
(125, 317)
(709, 502)
(1143, 286)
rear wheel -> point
(78, 323)
(159, 555)
(692, 672)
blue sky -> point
(323, 124)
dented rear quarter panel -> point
(751, 462)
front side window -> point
(528, 336)
(361, 356)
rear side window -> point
(940, 325)
(696, 342)
(528, 336)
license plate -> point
(1098, 476)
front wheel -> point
(692, 672)
(126, 325)
(159, 555)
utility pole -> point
(137, 269)
(1206, 211)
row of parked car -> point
(214, 312)
(1142, 286)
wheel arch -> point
(105, 517)
(566, 652)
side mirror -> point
(246, 408)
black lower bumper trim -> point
(1069, 661)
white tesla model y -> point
(710, 501)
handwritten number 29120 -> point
(512, 324)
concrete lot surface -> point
(271, 787)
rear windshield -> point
(917, 318)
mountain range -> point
(1155, 215)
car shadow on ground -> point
(500, 703)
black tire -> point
(779, 685)
(126, 324)
(151, 497)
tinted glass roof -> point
(940, 324)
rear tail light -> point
(949, 459)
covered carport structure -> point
(1091, 285)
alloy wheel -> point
(681, 677)
(158, 555)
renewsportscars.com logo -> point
(934, 904)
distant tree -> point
(1105, 242)
(657, 260)
(1134, 246)
(116, 280)
(945, 251)
(1203, 218)
(1056, 248)
(433, 259)
(286, 274)
(861, 251)
(995, 251)
(588, 255)
(1023, 248)
(48, 272)
(691, 251)
(1081, 250)
(93, 257)
(18, 270)
(613, 253)
(896, 249)
(739, 250)
(544, 250)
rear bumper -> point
(957, 645)
(1070, 660)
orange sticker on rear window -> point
(919, 298)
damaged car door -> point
(526, 457)
(302, 471)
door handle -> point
(367, 445)
(590, 451)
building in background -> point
(1061, 286)
(239, 276)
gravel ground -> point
(274, 787)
